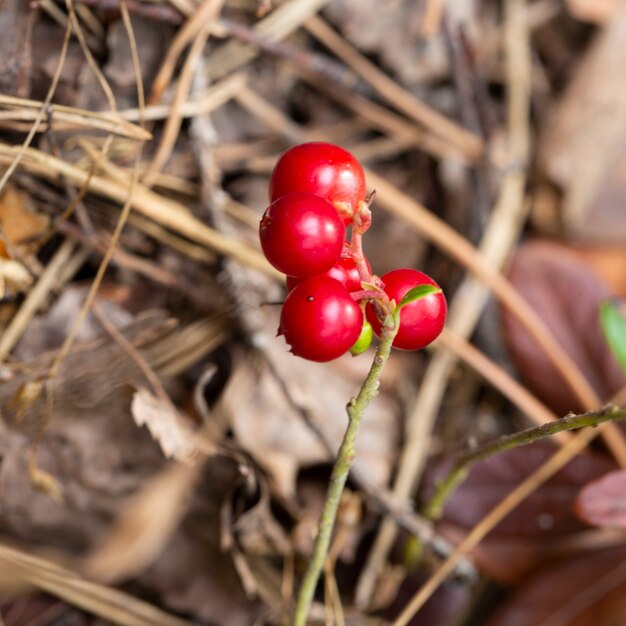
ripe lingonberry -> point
(323, 169)
(344, 270)
(301, 234)
(421, 321)
(320, 320)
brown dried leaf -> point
(603, 501)
(116, 606)
(18, 219)
(167, 426)
(444, 607)
(268, 427)
(144, 526)
(505, 560)
(582, 148)
(14, 277)
(587, 591)
(195, 575)
(545, 513)
(566, 294)
(15, 68)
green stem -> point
(445, 488)
(341, 469)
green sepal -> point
(614, 328)
(417, 293)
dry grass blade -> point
(42, 111)
(144, 527)
(127, 201)
(64, 118)
(394, 94)
(164, 211)
(525, 401)
(174, 120)
(197, 25)
(166, 425)
(456, 246)
(433, 13)
(36, 297)
(386, 121)
(498, 513)
(285, 19)
(110, 604)
(212, 99)
(500, 235)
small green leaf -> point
(614, 329)
(417, 293)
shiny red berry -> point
(344, 270)
(319, 319)
(422, 321)
(323, 169)
(301, 234)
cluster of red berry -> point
(317, 190)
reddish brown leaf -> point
(547, 512)
(505, 560)
(603, 501)
(443, 608)
(587, 591)
(566, 294)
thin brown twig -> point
(499, 236)
(198, 23)
(525, 401)
(174, 119)
(42, 111)
(134, 354)
(126, 209)
(431, 20)
(65, 117)
(497, 513)
(469, 144)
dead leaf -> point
(603, 501)
(18, 218)
(116, 606)
(194, 574)
(167, 426)
(582, 147)
(144, 527)
(151, 36)
(444, 607)
(545, 513)
(585, 591)
(15, 71)
(14, 277)
(566, 294)
(505, 560)
(277, 435)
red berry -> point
(344, 270)
(319, 319)
(422, 321)
(301, 234)
(323, 169)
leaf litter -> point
(186, 450)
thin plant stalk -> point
(446, 487)
(341, 469)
